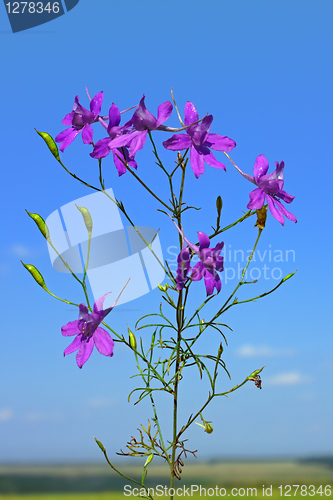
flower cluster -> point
(194, 136)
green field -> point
(99, 482)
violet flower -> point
(199, 140)
(104, 146)
(88, 333)
(80, 119)
(210, 263)
(269, 188)
(184, 266)
(143, 122)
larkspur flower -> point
(269, 188)
(143, 121)
(89, 333)
(184, 266)
(80, 119)
(199, 140)
(210, 262)
(104, 146)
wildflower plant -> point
(169, 343)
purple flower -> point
(184, 265)
(210, 262)
(143, 121)
(269, 188)
(88, 333)
(104, 146)
(80, 119)
(199, 140)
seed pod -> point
(41, 225)
(87, 218)
(132, 339)
(35, 274)
(208, 428)
(50, 144)
(261, 218)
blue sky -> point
(263, 69)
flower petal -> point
(260, 167)
(257, 199)
(289, 215)
(200, 132)
(178, 142)
(204, 241)
(85, 352)
(137, 142)
(72, 328)
(209, 283)
(66, 137)
(197, 162)
(198, 272)
(221, 142)
(96, 104)
(163, 112)
(87, 134)
(98, 306)
(101, 149)
(121, 168)
(274, 211)
(285, 196)
(68, 120)
(103, 342)
(213, 162)
(143, 119)
(114, 116)
(190, 113)
(74, 346)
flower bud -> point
(208, 428)
(261, 218)
(50, 144)
(41, 225)
(149, 459)
(219, 204)
(86, 217)
(132, 339)
(163, 288)
(35, 274)
(100, 445)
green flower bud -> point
(219, 204)
(163, 288)
(149, 459)
(132, 339)
(100, 445)
(208, 428)
(255, 373)
(41, 225)
(86, 217)
(35, 274)
(50, 144)
(288, 276)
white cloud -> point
(38, 416)
(99, 402)
(6, 414)
(19, 250)
(287, 378)
(251, 351)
